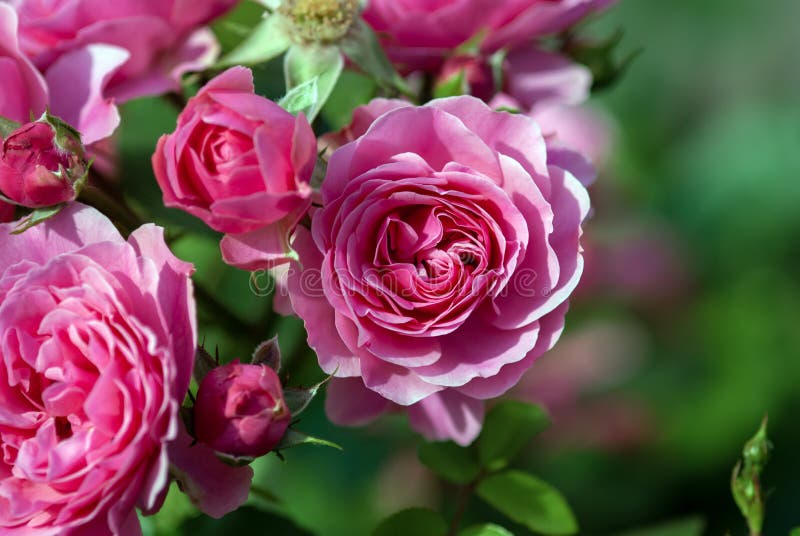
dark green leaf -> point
(692, 526)
(306, 62)
(269, 39)
(454, 463)
(242, 521)
(529, 501)
(795, 532)
(489, 529)
(509, 426)
(7, 126)
(362, 47)
(413, 521)
(294, 438)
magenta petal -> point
(349, 403)
(448, 415)
(213, 486)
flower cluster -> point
(430, 247)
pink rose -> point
(24, 90)
(240, 410)
(95, 53)
(163, 38)
(515, 22)
(440, 265)
(39, 170)
(97, 338)
(419, 34)
(242, 164)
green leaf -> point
(306, 62)
(450, 461)
(362, 47)
(302, 98)
(795, 532)
(489, 529)
(509, 426)
(411, 522)
(452, 87)
(294, 438)
(269, 39)
(529, 501)
(242, 521)
(36, 217)
(353, 90)
(7, 126)
(692, 526)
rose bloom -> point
(240, 410)
(242, 164)
(35, 171)
(72, 89)
(97, 339)
(440, 265)
(94, 53)
(418, 34)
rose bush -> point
(242, 164)
(440, 265)
(97, 338)
(240, 410)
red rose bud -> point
(240, 410)
(42, 164)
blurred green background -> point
(705, 173)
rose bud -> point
(42, 164)
(240, 410)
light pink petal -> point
(24, 90)
(257, 250)
(541, 79)
(349, 403)
(448, 415)
(84, 105)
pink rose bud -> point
(240, 410)
(42, 164)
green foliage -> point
(353, 90)
(242, 521)
(509, 426)
(529, 501)
(450, 461)
(269, 39)
(489, 529)
(692, 526)
(413, 521)
(304, 63)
